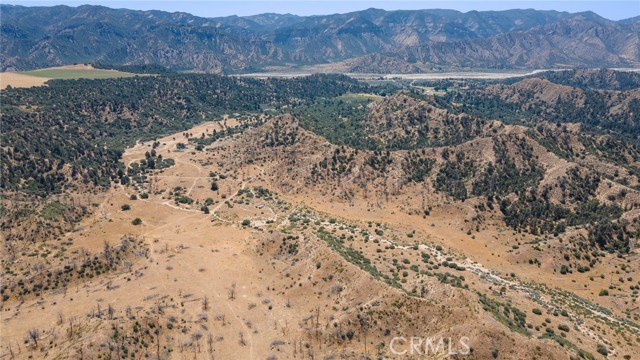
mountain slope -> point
(580, 40)
(34, 37)
(39, 37)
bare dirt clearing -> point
(41, 76)
(20, 80)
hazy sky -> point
(614, 10)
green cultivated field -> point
(77, 73)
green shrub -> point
(603, 350)
(537, 311)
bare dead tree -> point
(210, 344)
(317, 313)
(11, 354)
(107, 253)
(205, 303)
(295, 349)
(363, 320)
(232, 291)
(85, 254)
(110, 311)
(11, 246)
(34, 336)
(157, 333)
(196, 338)
(72, 321)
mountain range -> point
(368, 41)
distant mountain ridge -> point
(371, 40)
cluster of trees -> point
(453, 175)
(418, 166)
(576, 205)
(404, 126)
(622, 151)
(202, 141)
(339, 121)
(281, 134)
(505, 177)
(379, 160)
(83, 265)
(416, 129)
(138, 171)
(78, 129)
(340, 163)
(612, 236)
(538, 214)
(135, 69)
(596, 108)
(603, 79)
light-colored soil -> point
(40, 76)
(20, 80)
(278, 294)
